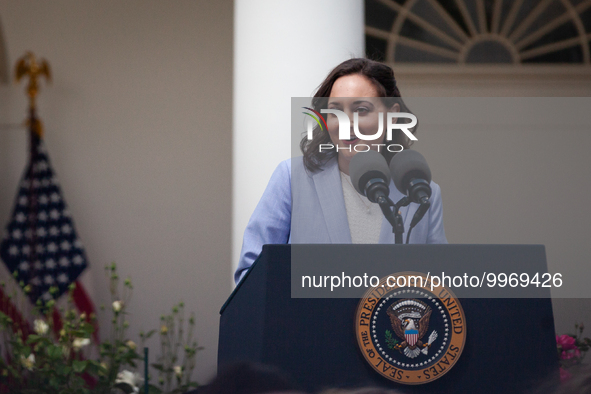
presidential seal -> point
(410, 331)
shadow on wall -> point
(6, 175)
(3, 59)
(3, 136)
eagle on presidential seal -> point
(410, 321)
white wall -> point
(526, 181)
(138, 127)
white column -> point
(282, 49)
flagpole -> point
(29, 67)
(42, 245)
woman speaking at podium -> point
(310, 199)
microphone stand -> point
(393, 216)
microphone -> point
(411, 175)
(370, 176)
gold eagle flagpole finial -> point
(29, 66)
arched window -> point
(479, 31)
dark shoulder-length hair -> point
(382, 77)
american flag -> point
(40, 243)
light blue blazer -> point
(302, 207)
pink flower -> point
(568, 354)
(566, 341)
(564, 375)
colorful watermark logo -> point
(317, 117)
(392, 120)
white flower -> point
(80, 342)
(40, 327)
(28, 362)
(178, 371)
(128, 381)
(131, 344)
(117, 305)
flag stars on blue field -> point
(40, 241)
(41, 166)
(41, 148)
(13, 250)
(50, 264)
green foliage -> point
(583, 344)
(390, 340)
(176, 362)
(50, 363)
(44, 362)
(118, 351)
